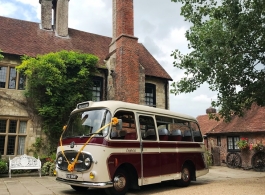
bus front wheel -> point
(185, 177)
(120, 183)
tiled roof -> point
(146, 58)
(252, 121)
(26, 38)
(206, 124)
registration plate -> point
(71, 176)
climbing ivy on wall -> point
(1, 56)
(56, 82)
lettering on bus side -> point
(130, 150)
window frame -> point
(8, 78)
(149, 97)
(218, 141)
(100, 80)
(234, 139)
(7, 135)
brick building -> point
(127, 71)
(221, 137)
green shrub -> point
(48, 168)
(3, 167)
(209, 158)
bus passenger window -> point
(128, 131)
(163, 134)
(187, 136)
(197, 137)
(164, 126)
(147, 126)
(176, 135)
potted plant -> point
(259, 147)
(242, 144)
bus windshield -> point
(87, 123)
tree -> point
(56, 82)
(227, 42)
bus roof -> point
(113, 105)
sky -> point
(157, 24)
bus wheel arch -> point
(124, 178)
(132, 174)
(120, 183)
(187, 174)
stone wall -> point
(161, 91)
(14, 106)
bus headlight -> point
(87, 162)
(60, 160)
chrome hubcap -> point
(185, 174)
(119, 182)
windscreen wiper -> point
(95, 133)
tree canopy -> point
(227, 45)
(56, 82)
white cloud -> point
(7, 9)
(91, 16)
(33, 3)
(201, 98)
(25, 10)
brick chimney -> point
(61, 17)
(46, 14)
(124, 57)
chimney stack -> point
(123, 19)
(124, 53)
(61, 17)
(46, 14)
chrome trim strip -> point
(85, 184)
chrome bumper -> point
(85, 184)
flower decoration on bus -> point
(114, 121)
(71, 167)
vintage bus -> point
(119, 146)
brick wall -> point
(127, 70)
(124, 17)
(245, 155)
(124, 63)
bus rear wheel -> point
(120, 183)
(185, 177)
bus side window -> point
(128, 131)
(187, 136)
(176, 135)
(197, 137)
(147, 126)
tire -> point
(185, 177)
(79, 188)
(233, 160)
(258, 161)
(120, 183)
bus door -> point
(150, 162)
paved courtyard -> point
(220, 180)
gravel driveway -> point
(219, 181)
